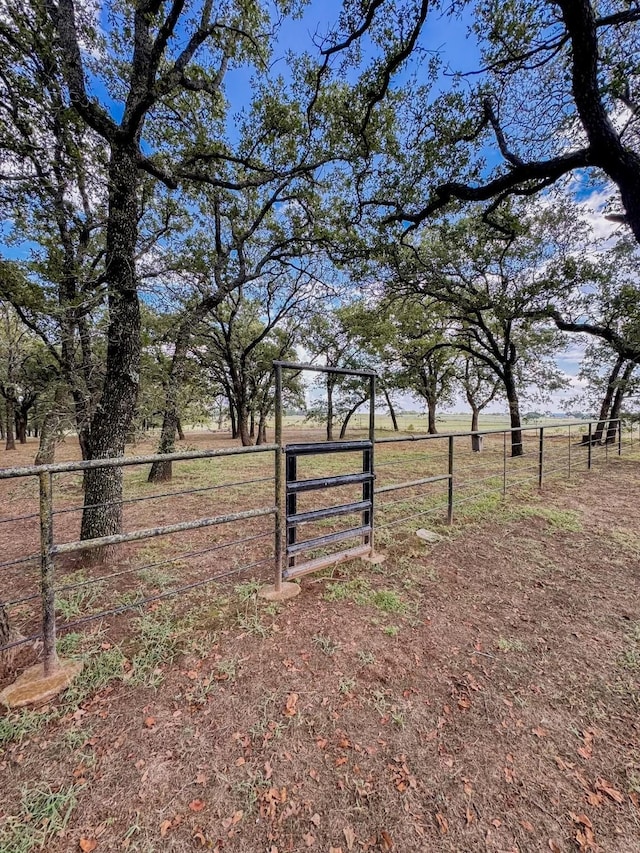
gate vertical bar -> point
(504, 464)
(541, 458)
(569, 451)
(291, 465)
(367, 488)
(589, 450)
(278, 532)
(450, 484)
(47, 574)
(620, 437)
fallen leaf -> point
(315, 819)
(386, 842)
(290, 709)
(443, 823)
(540, 732)
(88, 844)
(608, 789)
(149, 722)
(309, 839)
(594, 799)
(165, 826)
(268, 770)
(349, 837)
(554, 846)
(196, 805)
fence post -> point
(569, 451)
(47, 575)
(589, 449)
(541, 458)
(450, 484)
(368, 487)
(279, 591)
(504, 464)
(620, 437)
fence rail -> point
(443, 472)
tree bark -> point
(330, 386)
(517, 448)
(608, 398)
(50, 429)
(349, 415)
(392, 411)
(617, 402)
(476, 440)
(102, 515)
(431, 415)
(10, 419)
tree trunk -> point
(21, 424)
(431, 414)
(179, 429)
(10, 421)
(243, 426)
(50, 429)
(517, 448)
(349, 415)
(476, 440)
(617, 402)
(330, 384)
(608, 397)
(102, 515)
(262, 429)
(233, 419)
(252, 423)
(392, 411)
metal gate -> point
(296, 547)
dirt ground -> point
(480, 693)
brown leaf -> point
(443, 823)
(315, 819)
(608, 789)
(386, 841)
(196, 805)
(290, 709)
(149, 722)
(165, 826)
(540, 732)
(88, 844)
(268, 770)
(349, 837)
(581, 818)
(309, 839)
(526, 824)
(554, 846)
(594, 799)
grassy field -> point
(480, 693)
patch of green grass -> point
(43, 815)
(391, 630)
(100, 669)
(15, 727)
(158, 647)
(157, 578)
(69, 644)
(511, 645)
(387, 600)
(366, 658)
(248, 591)
(326, 644)
(78, 602)
(359, 590)
(558, 519)
(346, 685)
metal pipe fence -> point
(417, 477)
(40, 569)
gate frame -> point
(282, 589)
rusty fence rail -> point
(471, 465)
(49, 550)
